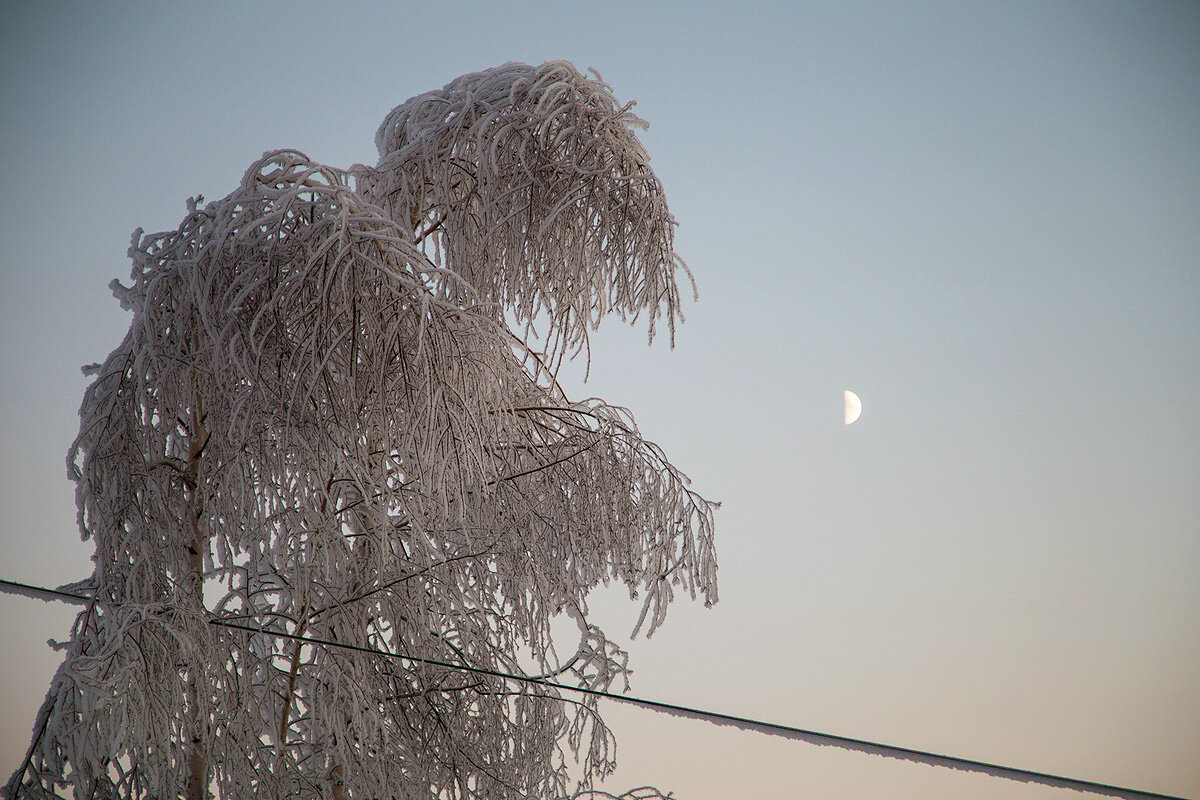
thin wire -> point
(743, 723)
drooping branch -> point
(319, 416)
(538, 193)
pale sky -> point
(983, 218)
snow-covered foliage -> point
(319, 425)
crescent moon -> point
(853, 406)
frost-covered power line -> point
(742, 723)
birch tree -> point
(336, 416)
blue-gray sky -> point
(984, 218)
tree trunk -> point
(338, 778)
(197, 779)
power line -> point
(742, 723)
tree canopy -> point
(332, 417)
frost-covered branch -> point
(318, 423)
(530, 183)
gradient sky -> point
(984, 218)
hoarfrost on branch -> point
(319, 424)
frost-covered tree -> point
(331, 418)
